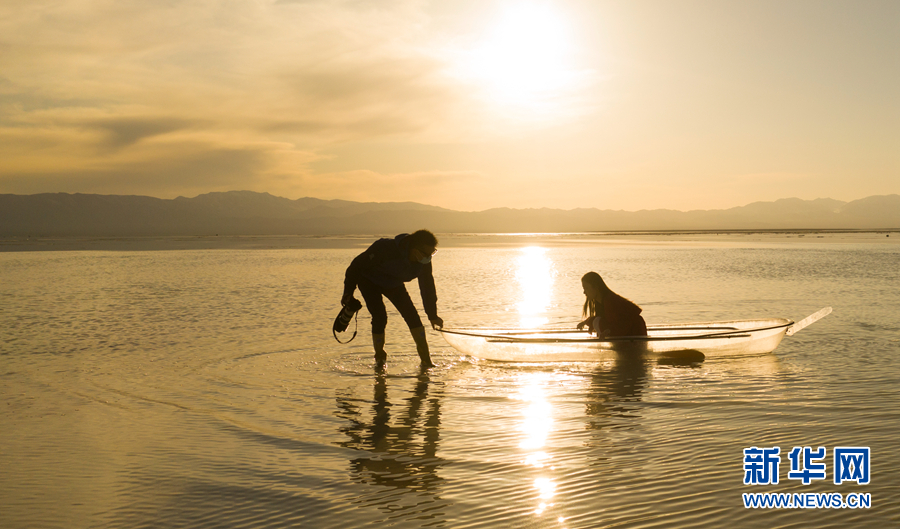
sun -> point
(524, 60)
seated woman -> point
(609, 314)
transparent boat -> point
(720, 338)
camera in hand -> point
(342, 321)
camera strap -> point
(355, 329)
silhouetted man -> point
(382, 271)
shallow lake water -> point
(203, 388)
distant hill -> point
(250, 213)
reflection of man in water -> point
(381, 271)
(398, 451)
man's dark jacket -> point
(386, 264)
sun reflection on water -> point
(535, 274)
(537, 459)
(536, 426)
(546, 488)
(538, 418)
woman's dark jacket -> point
(620, 316)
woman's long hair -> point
(590, 305)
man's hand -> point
(345, 299)
(437, 323)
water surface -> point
(202, 388)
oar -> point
(809, 320)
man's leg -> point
(375, 304)
(418, 335)
(400, 298)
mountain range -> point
(251, 213)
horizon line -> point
(235, 191)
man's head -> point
(422, 245)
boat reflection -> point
(397, 447)
(614, 387)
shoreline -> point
(447, 240)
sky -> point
(463, 104)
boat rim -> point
(517, 335)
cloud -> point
(86, 83)
(770, 178)
(122, 132)
(196, 171)
(245, 63)
(451, 189)
(129, 96)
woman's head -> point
(594, 290)
(594, 287)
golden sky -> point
(460, 103)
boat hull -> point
(738, 337)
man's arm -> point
(429, 295)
